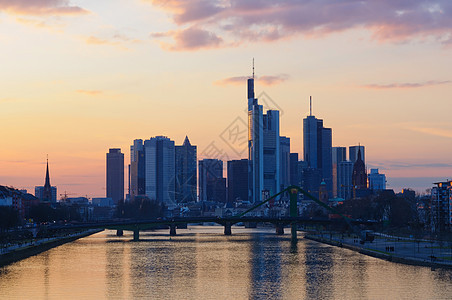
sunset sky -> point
(80, 76)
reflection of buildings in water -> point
(265, 255)
(115, 269)
(319, 273)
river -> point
(201, 263)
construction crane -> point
(64, 196)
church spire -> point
(47, 193)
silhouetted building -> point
(255, 146)
(359, 176)
(210, 173)
(137, 173)
(160, 170)
(377, 181)
(353, 153)
(237, 180)
(186, 180)
(272, 157)
(311, 179)
(339, 155)
(294, 170)
(115, 175)
(46, 193)
(317, 145)
(441, 206)
(284, 153)
(344, 179)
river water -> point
(202, 263)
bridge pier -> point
(172, 231)
(119, 232)
(227, 228)
(279, 228)
(136, 235)
(293, 230)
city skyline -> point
(84, 89)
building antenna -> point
(310, 105)
(253, 67)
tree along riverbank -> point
(391, 248)
(16, 253)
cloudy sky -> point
(79, 77)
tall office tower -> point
(237, 180)
(284, 164)
(115, 175)
(186, 179)
(317, 144)
(377, 181)
(294, 170)
(344, 179)
(359, 176)
(137, 174)
(353, 153)
(271, 158)
(212, 185)
(339, 155)
(255, 145)
(160, 170)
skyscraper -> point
(212, 185)
(271, 158)
(186, 182)
(115, 175)
(255, 146)
(353, 153)
(237, 180)
(339, 155)
(317, 147)
(137, 184)
(377, 181)
(294, 170)
(284, 151)
(160, 170)
(344, 179)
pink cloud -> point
(238, 21)
(40, 7)
(190, 39)
(266, 80)
(406, 85)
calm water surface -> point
(202, 263)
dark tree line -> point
(140, 208)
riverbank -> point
(19, 253)
(393, 249)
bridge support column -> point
(172, 230)
(119, 232)
(279, 228)
(293, 212)
(227, 228)
(293, 231)
(136, 235)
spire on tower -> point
(310, 105)
(253, 67)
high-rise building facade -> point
(339, 155)
(186, 180)
(137, 174)
(237, 180)
(344, 179)
(160, 170)
(255, 146)
(294, 170)
(353, 153)
(115, 175)
(271, 158)
(377, 181)
(212, 185)
(317, 147)
(284, 152)
(441, 206)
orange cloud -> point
(406, 85)
(40, 7)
